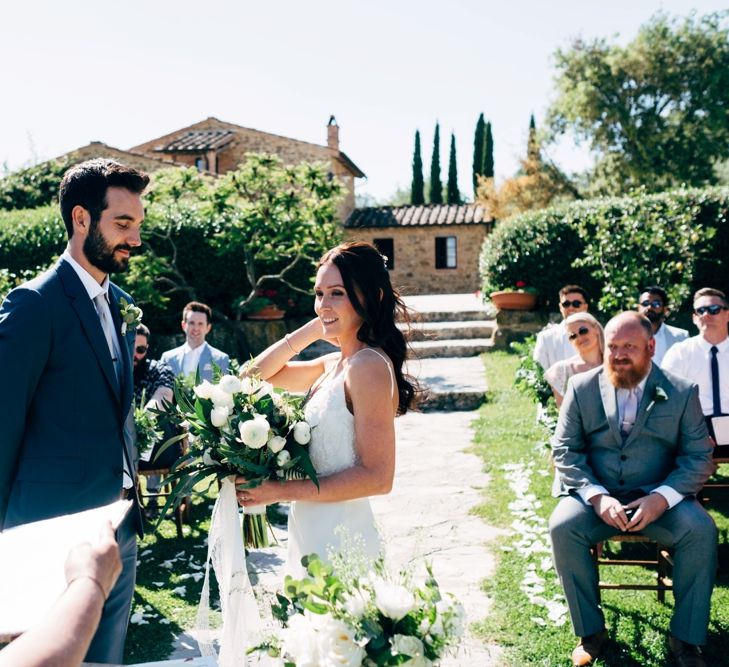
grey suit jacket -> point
(62, 435)
(668, 444)
(674, 335)
(208, 357)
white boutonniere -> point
(131, 316)
(659, 395)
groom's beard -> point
(101, 254)
(624, 374)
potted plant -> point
(268, 304)
(519, 297)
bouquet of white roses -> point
(242, 427)
(363, 620)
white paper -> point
(721, 429)
(32, 559)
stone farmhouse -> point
(430, 249)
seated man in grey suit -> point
(653, 303)
(631, 451)
(196, 354)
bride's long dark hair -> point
(378, 303)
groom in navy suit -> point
(66, 436)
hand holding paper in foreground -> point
(63, 636)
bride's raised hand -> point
(317, 328)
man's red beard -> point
(626, 374)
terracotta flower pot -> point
(507, 300)
(269, 312)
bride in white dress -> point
(354, 396)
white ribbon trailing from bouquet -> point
(241, 620)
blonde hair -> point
(588, 319)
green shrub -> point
(32, 187)
(615, 246)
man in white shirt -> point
(196, 354)
(552, 343)
(704, 358)
(631, 451)
(653, 303)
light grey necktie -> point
(102, 307)
(630, 412)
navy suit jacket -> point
(62, 434)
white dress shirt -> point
(672, 496)
(692, 359)
(552, 346)
(93, 288)
(191, 358)
(661, 346)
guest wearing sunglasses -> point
(552, 343)
(705, 358)
(586, 336)
(653, 303)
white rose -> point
(264, 389)
(221, 399)
(254, 432)
(412, 647)
(276, 443)
(249, 385)
(302, 433)
(283, 458)
(219, 416)
(355, 603)
(393, 600)
(338, 645)
(230, 384)
(204, 390)
(298, 642)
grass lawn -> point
(525, 589)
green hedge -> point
(615, 246)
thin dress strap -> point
(387, 363)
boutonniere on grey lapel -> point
(131, 316)
(659, 395)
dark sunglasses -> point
(582, 331)
(575, 303)
(141, 349)
(655, 303)
(713, 309)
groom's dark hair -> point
(85, 185)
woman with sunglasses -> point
(586, 335)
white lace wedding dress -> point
(327, 527)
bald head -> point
(629, 347)
(630, 319)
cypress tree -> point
(479, 138)
(532, 145)
(488, 153)
(454, 197)
(436, 186)
(417, 189)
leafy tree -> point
(488, 153)
(453, 195)
(32, 187)
(653, 111)
(479, 146)
(417, 190)
(435, 194)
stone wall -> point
(517, 326)
(414, 255)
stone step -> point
(446, 330)
(451, 315)
(456, 347)
(449, 384)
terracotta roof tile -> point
(418, 216)
(198, 140)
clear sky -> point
(75, 71)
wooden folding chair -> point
(661, 562)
